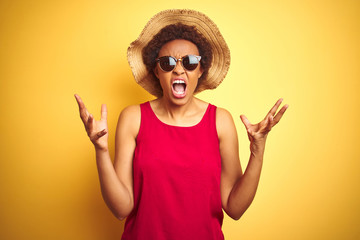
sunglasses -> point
(168, 63)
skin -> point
(186, 111)
(237, 188)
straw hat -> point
(221, 52)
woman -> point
(176, 160)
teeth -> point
(179, 81)
(179, 92)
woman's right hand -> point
(96, 130)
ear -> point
(156, 71)
(201, 71)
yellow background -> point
(307, 52)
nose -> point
(179, 69)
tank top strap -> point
(212, 115)
(145, 110)
(146, 119)
(209, 120)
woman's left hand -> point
(257, 133)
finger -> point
(280, 114)
(245, 121)
(103, 112)
(101, 133)
(84, 114)
(90, 124)
(269, 123)
(274, 108)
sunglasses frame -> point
(178, 59)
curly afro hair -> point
(173, 32)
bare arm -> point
(238, 189)
(116, 186)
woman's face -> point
(179, 84)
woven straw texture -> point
(221, 52)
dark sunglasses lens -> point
(190, 62)
(167, 63)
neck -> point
(175, 111)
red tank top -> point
(176, 181)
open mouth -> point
(179, 88)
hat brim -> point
(221, 53)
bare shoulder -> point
(131, 111)
(224, 122)
(222, 114)
(129, 119)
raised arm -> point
(237, 188)
(115, 182)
